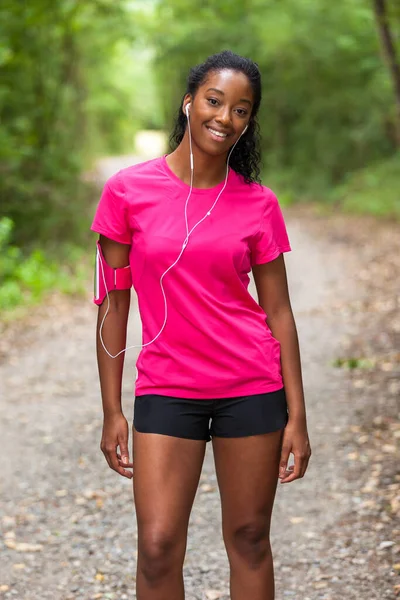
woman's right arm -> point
(115, 426)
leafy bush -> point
(328, 102)
(374, 190)
(63, 99)
(25, 279)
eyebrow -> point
(222, 94)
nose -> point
(224, 116)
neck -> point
(209, 171)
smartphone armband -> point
(107, 278)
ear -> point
(187, 100)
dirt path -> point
(68, 520)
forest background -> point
(79, 78)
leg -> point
(247, 472)
(165, 479)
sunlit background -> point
(84, 80)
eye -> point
(211, 100)
(242, 112)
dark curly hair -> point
(246, 156)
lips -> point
(216, 134)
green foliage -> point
(61, 99)
(328, 102)
(354, 363)
(25, 279)
(374, 189)
(73, 86)
(79, 77)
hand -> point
(295, 440)
(115, 433)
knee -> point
(157, 555)
(251, 543)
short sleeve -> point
(271, 239)
(111, 217)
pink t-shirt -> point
(216, 342)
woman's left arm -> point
(273, 297)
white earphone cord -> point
(188, 233)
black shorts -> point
(197, 419)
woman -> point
(210, 352)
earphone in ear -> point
(187, 109)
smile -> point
(217, 134)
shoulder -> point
(137, 174)
(256, 193)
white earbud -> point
(190, 139)
(244, 130)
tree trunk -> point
(389, 52)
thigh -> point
(247, 471)
(177, 417)
(244, 416)
(166, 472)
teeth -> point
(217, 133)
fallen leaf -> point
(387, 366)
(9, 535)
(363, 439)
(26, 547)
(295, 520)
(206, 487)
(319, 585)
(89, 494)
(385, 544)
(359, 383)
(389, 448)
(214, 594)
(353, 456)
(355, 428)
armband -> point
(107, 278)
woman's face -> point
(220, 110)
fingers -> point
(128, 464)
(116, 434)
(295, 471)
(113, 462)
(291, 473)
(284, 460)
(123, 457)
(119, 468)
(123, 446)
